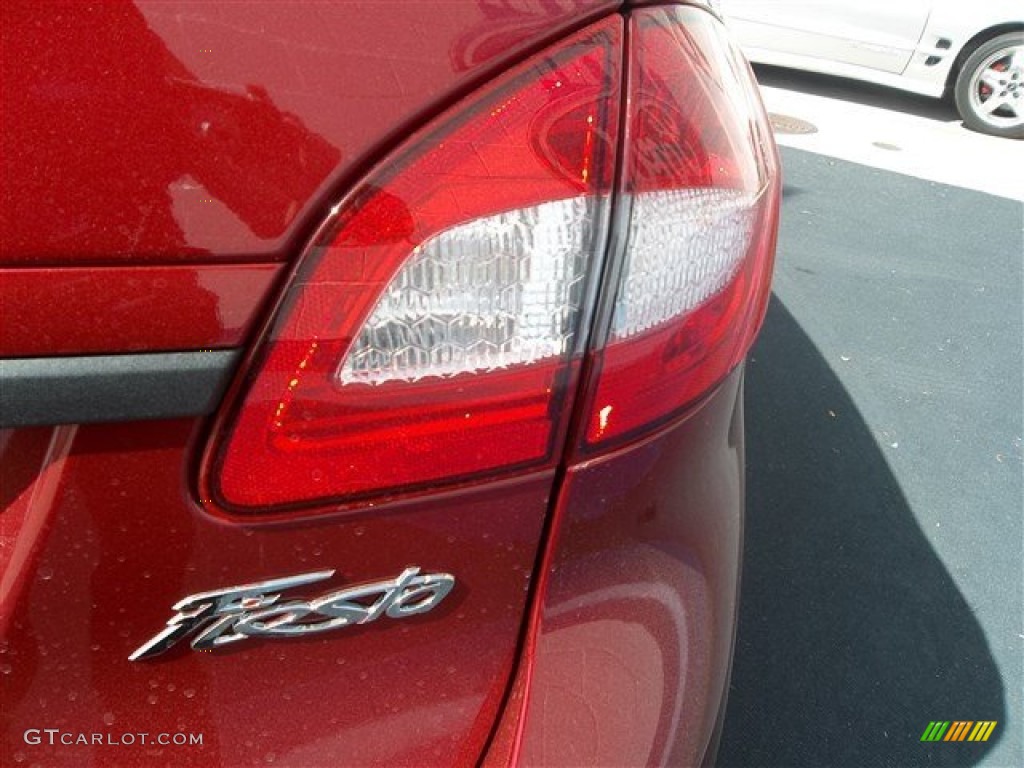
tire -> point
(989, 89)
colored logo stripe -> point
(958, 730)
(982, 730)
(935, 730)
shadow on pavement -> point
(852, 635)
(856, 91)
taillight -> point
(433, 333)
(436, 330)
(701, 185)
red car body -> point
(168, 171)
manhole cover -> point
(788, 124)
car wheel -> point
(990, 87)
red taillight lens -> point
(702, 180)
(433, 332)
(436, 329)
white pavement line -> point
(935, 150)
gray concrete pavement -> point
(883, 582)
(892, 130)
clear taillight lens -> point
(434, 331)
(684, 246)
(492, 293)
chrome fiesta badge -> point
(227, 616)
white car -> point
(974, 50)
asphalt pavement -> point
(883, 585)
